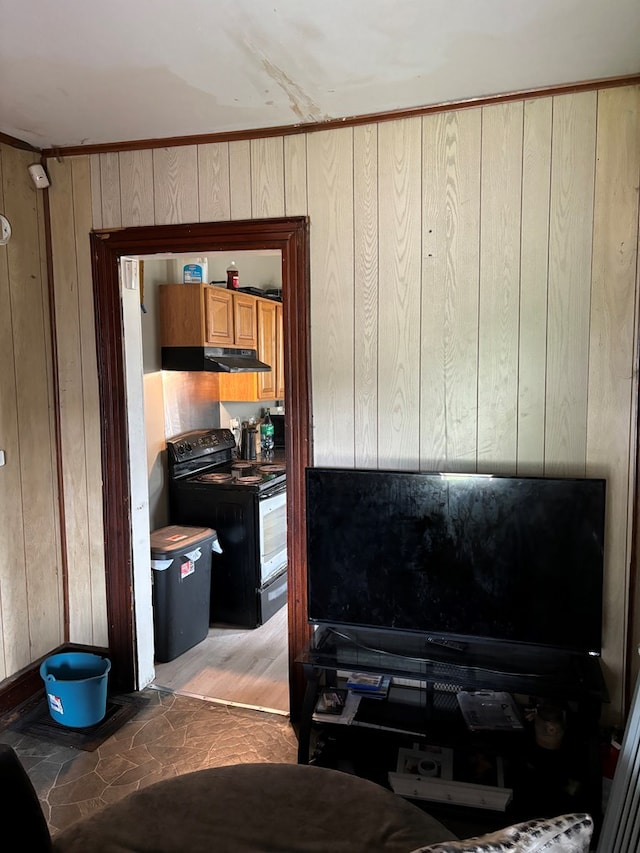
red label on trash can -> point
(187, 569)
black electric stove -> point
(245, 503)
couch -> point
(274, 808)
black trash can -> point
(181, 575)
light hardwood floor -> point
(238, 666)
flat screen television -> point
(510, 560)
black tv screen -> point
(506, 559)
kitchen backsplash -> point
(188, 404)
(189, 401)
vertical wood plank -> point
(295, 175)
(81, 185)
(12, 556)
(96, 192)
(400, 207)
(571, 225)
(366, 294)
(331, 209)
(240, 179)
(175, 184)
(110, 190)
(51, 399)
(37, 621)
(450, 246)
(613, 389)
(532, 359)
(267, 177)
(213, 182)
(499, 286)
(136, 188)
(72, 430)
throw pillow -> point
(569, 833)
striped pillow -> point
(569, 833)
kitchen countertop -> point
(278, 457)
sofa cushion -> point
(20, 808)
(247, 808)
(570, 833)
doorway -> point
(234, 664)
(126, 553)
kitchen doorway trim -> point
(291, 237)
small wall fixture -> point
(39, 176)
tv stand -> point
(422, 708)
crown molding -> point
(350, 121)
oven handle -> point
(278, 498)
(280, 489)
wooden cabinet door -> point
(279, 354)
(267, 348)
(219, 316)
(237, 387)
(244, 311)
(181, 315)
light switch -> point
(2, 462)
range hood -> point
(213, 360)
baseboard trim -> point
(26, 683)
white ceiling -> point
(78, 72)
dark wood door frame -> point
(291, 237)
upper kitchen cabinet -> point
(194, 315)
(244, 319)
(279, 354)
(269, 339)
(255, 387)
(218, 316)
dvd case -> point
(488, 710)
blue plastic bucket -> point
(76, 688)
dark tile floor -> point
(170, 735)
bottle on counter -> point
(233, 277)
(266, 435)
(196, 272)
(248, 440)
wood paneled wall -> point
(473, 284)
(70, 206)
(31, 600)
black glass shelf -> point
(472, 665)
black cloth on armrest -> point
(21, 815)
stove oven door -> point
(273, 535)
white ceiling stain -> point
(75, 72)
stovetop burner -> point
(207, 456)
(215, 478)
(244, 475)
(271, 469)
